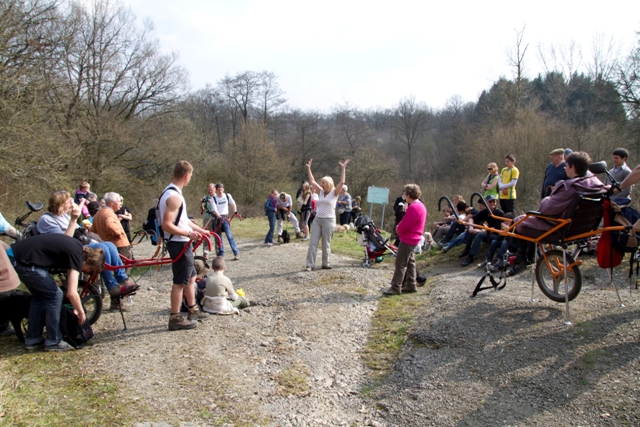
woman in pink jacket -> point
(409, 231)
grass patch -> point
(46, 389)
(293, 380)
(389, 329)
(593, 357)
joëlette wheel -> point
(554, 289)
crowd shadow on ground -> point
(506, 351)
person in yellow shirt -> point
(507, 184)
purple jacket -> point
(560, 199)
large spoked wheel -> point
(91, 302)
(552, 287)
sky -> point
(371, 54)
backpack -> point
(625, 241)
(74, 333)
(150, 225)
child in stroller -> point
(375, 246)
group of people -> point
(566, 174)
(59, 242)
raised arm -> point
(631, 179)
(342, 177)
(312, 181)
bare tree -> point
(111, 80)
(516, 60)
(411, 120)
(353, 131)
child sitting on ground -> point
(220, 297)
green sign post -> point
(380, 196)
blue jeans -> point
(111, 257)
(455, 228)
(226, 229)
(272, 226)
(46, 304)
(458, 240)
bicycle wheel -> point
(91, 302)
(554, 288)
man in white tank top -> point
(179, 231)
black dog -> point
(14, 306)
(285, 236)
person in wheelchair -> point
(559, 203)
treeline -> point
(86, 93)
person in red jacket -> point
(409, 230)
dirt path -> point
(294, 361)
(497, 359)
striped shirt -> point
(326, 207)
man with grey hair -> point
(107, 225)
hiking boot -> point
(125, 287)
(299, 235)
(327, 267)
(391, 291)
(178, 321)
(117, 304)
(196, 314)
(61, 346)
(468, 260)
(464, 253)
(280, 239)
(409, 290)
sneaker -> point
(305, 238)
(268, 244)
(236, 257)
(445, 249)
(61, 346)
(117, 304)
(178, 321)
(391, 291)
(33, 347)
(196, 314)
(125, 287)
(309, 268)
(483, 264)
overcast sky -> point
(372, 53)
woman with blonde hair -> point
(490, 183)
(325, 219)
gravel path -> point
(496, 359)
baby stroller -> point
(375, 246)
